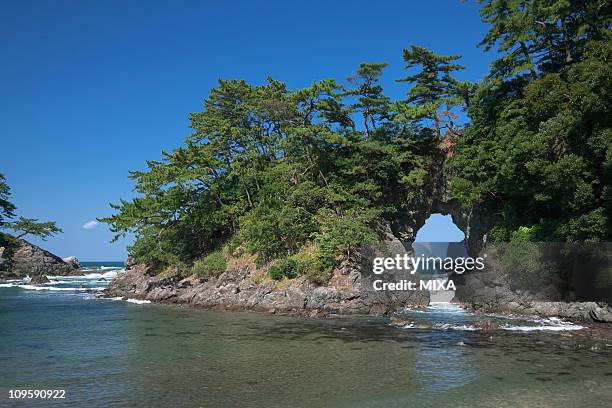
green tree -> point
(6, 207)
(31, 226)
(371, 102)
(542, 35)
(434, 86)
(542, 160)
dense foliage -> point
(538, 151)
(298, 178)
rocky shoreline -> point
(236, 290)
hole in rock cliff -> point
(439, 228)
(439, 237)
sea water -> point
(110, 352)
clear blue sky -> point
(92, 89)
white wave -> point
(550, 324)
(446, 307)
(94, 275)
(138, 301)
(409, 310)
(50, 288)
(448, 326)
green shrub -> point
(287, 268)
(212, 265)
(275, 272)
(303, 264)
(314, 267)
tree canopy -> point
(6, 207)
(310, 173)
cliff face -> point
(30, 259)
(473, 222)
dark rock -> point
(486, 324)
(398, 321)
(38, 279)
(130, 262)
(32, 260)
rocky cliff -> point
(30, 259)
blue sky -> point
(92, 89)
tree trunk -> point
(566, 42)
(525, 52)
(246, 190)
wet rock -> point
(318, 314)
(398, 321)
(39, 279)
(601, 313)
(486, 324)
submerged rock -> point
(486, 324)
(398, 321)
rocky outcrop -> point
(30, 259)
(4, 263)
(130, 262)
(72, 261)
(236, 290)
(492, 290)
(39, 279)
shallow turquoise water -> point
(114, 353)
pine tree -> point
(433, 86)
(371, 102)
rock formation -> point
(236, 290)
(30, 259)
(72, 261)
(343, 294)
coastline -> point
(235, 290)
